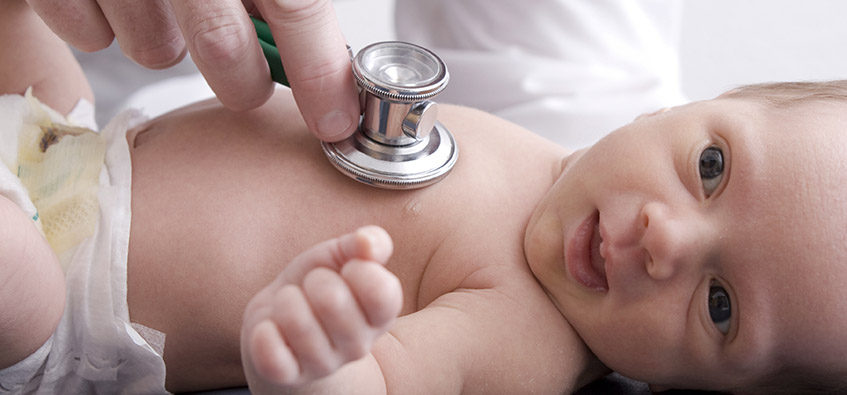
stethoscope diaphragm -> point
(399, 144)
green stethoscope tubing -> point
(266, 40)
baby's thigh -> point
(32, 295)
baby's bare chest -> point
(218, 212)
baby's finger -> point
(317, 64)
(377, 290)
(268, 354)
(339, 313)
(223, 45)
(147, 31)
(81, 23)
(303, 333)
(370, 243)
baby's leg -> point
(32, 286)
(325, 309)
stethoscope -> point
(399, 143)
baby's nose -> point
(670, 240)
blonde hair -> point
(784, 94)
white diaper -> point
(95, 349)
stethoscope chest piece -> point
(399, 143)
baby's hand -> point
(325, 309)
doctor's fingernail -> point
(331, 126)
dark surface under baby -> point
(611, 384)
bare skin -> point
(223, 201)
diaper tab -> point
(60, 167)
(153, 338)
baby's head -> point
(706, 246)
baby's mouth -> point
(584, 259)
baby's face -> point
(704, 247)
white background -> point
(723, 43)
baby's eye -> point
(711, 169)
(720, 308)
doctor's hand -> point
(222, 42)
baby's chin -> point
(572, 157)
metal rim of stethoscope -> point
(369, 81)
(367, 161)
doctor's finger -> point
(146, 30)
(81, 23)
(317, 64)
(223, 44)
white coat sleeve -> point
(570, 70)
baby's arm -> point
(308, 335)
(34, 56)
(32, 288)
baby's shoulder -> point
(476, 259)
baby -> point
(699, 247)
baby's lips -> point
(582, 254)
